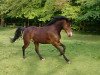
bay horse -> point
(48, 34)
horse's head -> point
(63, 22)
(67, 27)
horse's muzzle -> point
(70, 34)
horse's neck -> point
(58, 26)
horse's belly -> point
(41, 39)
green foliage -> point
(88, 17)
(32, 8)
(25, 8)
(51, 6)
(90, 10)
(70, 11)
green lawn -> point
(82, 49)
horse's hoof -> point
(43, 59)
(11, 39)
(69, 62)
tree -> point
(2, 12)
(90, 9)
(30, 9)
(89, 15)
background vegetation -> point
(85, 14)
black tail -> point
(18, 33)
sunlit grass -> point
(82, 49)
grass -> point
(82, 49)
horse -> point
(48, 34)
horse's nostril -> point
(70, 34)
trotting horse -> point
(48, 34)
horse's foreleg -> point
(58, 46)
(62, 45)
(37, 50)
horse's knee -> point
(62, 52)
(64, 47)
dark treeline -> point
(85, 14)
(22, 22)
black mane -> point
(57, 18)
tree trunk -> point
(14, 24)
(24, 24)
(2, 21)
(28, 23)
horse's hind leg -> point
(37, 50)
(24, 47)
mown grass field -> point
(82, 49)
